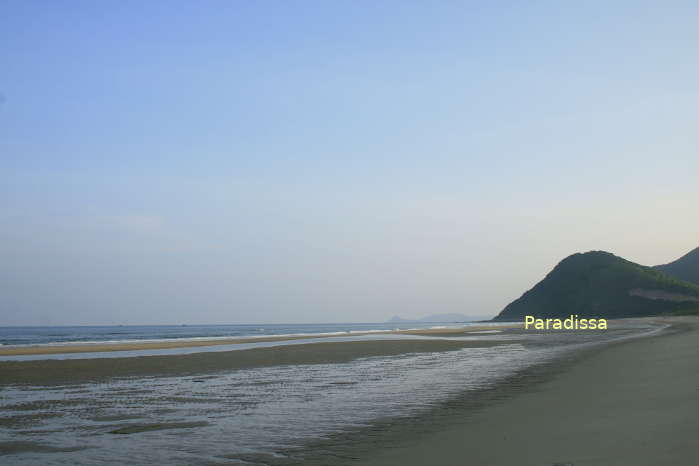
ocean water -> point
(257, 416)
(119, 333)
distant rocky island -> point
(600, 284)
(440, 318)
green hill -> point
(685, 268)
(600, 284)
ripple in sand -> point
(138, 428)
(11, 448)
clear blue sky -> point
(242, 161)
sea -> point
(274, 415)
(68, 335)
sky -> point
(188, 162)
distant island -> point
(600, 284)
(441, 318)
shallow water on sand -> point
(241, 416)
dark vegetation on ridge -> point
(684, 268)
(600, 284)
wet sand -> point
(172, 344)
(632, 403)
(66, 371)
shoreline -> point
(75, 371)
(31, 350)
(466, 425)
(626, 402)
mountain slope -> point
(685, 268)
(600, 284)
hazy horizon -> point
(243, 162)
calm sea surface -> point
(101, 334)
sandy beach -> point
(633, 403)
(626, 402)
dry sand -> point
(634, 403)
